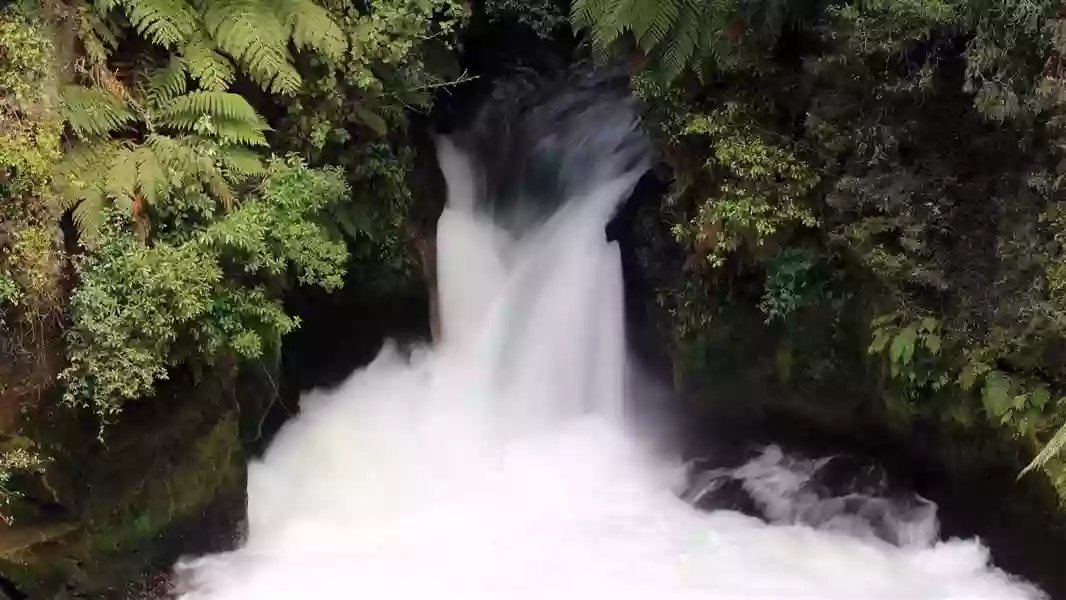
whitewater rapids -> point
(502, 463)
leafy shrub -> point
(200, 294)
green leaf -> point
(971, 373)
(372, 120)
(996, 394)
(877, 346)
(1039, 398)
(932, 343)
(93, 112)
(1053, 448)
(902, 349)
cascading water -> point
(502, 463)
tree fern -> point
(96, 37)
(312, 27)
(151, 179)
(232, 119)
(120, 183)
(251, 32)
(652, 25)
(88, 215)
(92, 112)
(223, 105)
(212, 71)
(167, 83)
(678, 34)
(80, 186)
(166, 23)
(239, 132)
(242, 162)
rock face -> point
(105, 518)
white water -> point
(500, 464)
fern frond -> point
(167, 83)
(651, 25)
(312, 27)
(151, 176)
(104, 6)
(96, 37)
(222, 191)
(81, 167)
(121, 180)
(681, 45)
(94, 112)
(612, 25)
(240, 133)
(217, 105)
(211, 70)
(243, 162)
(166, 23)
(586, 13)
(1053, 448)
(250, 32)
(88, 216)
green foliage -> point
(911, 350)
(26, 64)
(164, 22)
(127, 314)
(200, 294)
(543, 17)
(916, 146)
(92, 112)
(792, 284)
(30, 265)
(760, 184)
(18, 457)
(253, 33)
(676, 35)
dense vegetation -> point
(866, 198)
(882, 180)
(169, 170)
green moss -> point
(213, 466)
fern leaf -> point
(96, 37)
(151, 177)
(250, 32)
(681, 45)
(167, 83)
(217, 105)
(586, 14)
(617, 20)
(652, 24)
(166, 23)
(243, 162)
(312, 27)
(93, 112)
(88, 216)
(240, 132)
(222, 191)
(103, 6)
(213, 71)
(1050, 451)
(121, 182)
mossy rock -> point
(169, 481)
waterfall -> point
(502, 464)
